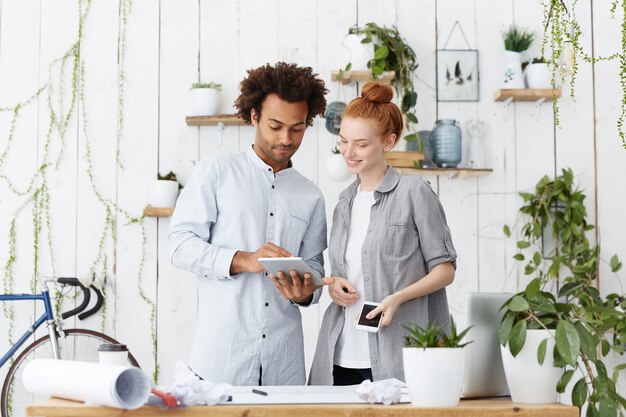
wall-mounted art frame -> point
(457, 75)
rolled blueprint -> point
(119, 386)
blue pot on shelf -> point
(446, 142)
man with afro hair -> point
(239, 207)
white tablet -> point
(274, 265)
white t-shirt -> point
(353, 347)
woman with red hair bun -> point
(389, 244)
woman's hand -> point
(342, 292)
(388, 308)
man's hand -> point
(342, 292)
(248, 261)
(296, 289)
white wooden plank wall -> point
(171, 44)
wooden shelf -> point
(348, 77)
(458, 173)
(526, 94)
(158, 211)
(403, 159)
(227, 119)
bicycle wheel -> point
(78, 344)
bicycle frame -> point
(47, 317)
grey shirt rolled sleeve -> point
(406, 238)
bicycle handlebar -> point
(74, 282)
(96, 307)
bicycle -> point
(73, 344)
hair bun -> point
(377, 93)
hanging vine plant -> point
(393, 53)
(562, 34)
(62, 103)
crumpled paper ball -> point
(189, 390)
(386, 391)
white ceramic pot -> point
(538, 76)
(529, 382)
(434, 376)
(513, 68)
(337, 168)
(162, 193)
(359, 53)
(203, 101)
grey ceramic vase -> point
(446, 141)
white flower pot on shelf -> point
(337, 168)
(434, 376)
(359, 53)
(538, 76)
(529, 382)
(162, 193)
(203, 101)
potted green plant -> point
(516, 44)
(163, 191)
(583, 326)
(433, 362)
(204, 98)
(393, 53)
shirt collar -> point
(389, 182)
(256, 160)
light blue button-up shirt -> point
(235, 202)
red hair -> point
(375, 104)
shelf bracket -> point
(507, 103)
(221, 126)
(538, 103)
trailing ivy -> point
(61, 104)
(125, 7)
(8, 308)
(560, 28)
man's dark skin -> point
(279, 130)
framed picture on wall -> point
(457, 75)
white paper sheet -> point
(117, 386)
(301, 395)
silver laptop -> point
(484, 374)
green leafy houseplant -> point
(170, 176)
(212, 85)
(433, 336)
(516, 39)
(393, 53)
(432, 350)
(586, 326)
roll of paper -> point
(118, 386)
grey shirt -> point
(406, 238)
